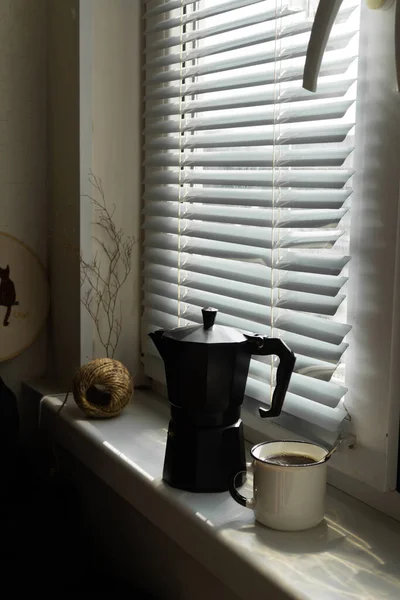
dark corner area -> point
(47, 545)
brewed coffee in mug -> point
(289, 483)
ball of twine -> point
(110, 375)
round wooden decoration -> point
(24, 297)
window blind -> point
(248, 187)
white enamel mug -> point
(286, 497)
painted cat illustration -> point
(7, 293)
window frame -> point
(368, 469)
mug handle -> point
(247, 502)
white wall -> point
(116, 106)
(23, 196)
(76, 104)
(93, 125)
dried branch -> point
(103, 278)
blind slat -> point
(337, 64)
(322, 392)
(324, 262)
(261, 217)
(175, 283)
(286, 70)
(246, 273)
(299, 407)
(280, 135)
(216, 9)
(260, 14)
(328, 87)
(328, 156)
(266, 197)
(260, 237)
(283, 177)
(159, 8)
(290, 23)
(292, 47)
(305, 112)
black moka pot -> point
(206, 369)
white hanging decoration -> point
(324, 19)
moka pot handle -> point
(264, 345)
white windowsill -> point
(353, 554)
